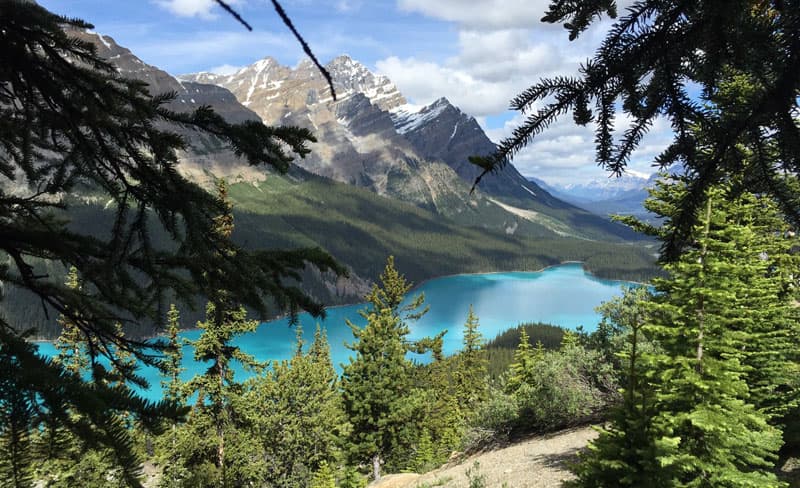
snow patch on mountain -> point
(604, 188)
(409, 117)
(351, 77)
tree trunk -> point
(220, 428)
(376, 466)
(701, 310)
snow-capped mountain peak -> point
(351, 77)
(604, 188)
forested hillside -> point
(119, 206)
(301, 210)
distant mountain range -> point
(622, 195)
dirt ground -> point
(538, 462)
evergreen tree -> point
(688, 418)
(171, 383)
(472, 367)
(16, 429)
(620, 317)
(709, 436)
(65, 458)
(525, 358)
(296, 415)
(672, 59)
(424, 456)
(172, 387)
(624, 453)
(69, 121)
(352, 479)
(377, 383)
(323, 478)
(69, 344)
(438, 420)
(569, 339)
(212, 444)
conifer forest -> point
(154, 224)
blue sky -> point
(477, 53)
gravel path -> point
(538, 462)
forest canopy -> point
(69, 120)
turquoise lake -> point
(562, 295)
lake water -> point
(562, 295)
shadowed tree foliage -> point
(668, 59)
(69, 120)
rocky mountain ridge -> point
(366, 138)
(371, 137)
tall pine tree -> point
(689, 417)
(296, 417)
(377, 382)
(212, 445)
(472, 366)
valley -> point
(390, 176)
(372, 244)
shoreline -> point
(415, 287)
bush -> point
(495, 418)
(563, 388)
(353, 479)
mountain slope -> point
(370, 137)
(360, 229)
(612, 196)
(441, 131)
(360, 143)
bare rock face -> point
(189, 95)
(351, 77)
(207, 157)
(358, 142)
(371, 137)
(441, 131)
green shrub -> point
(476, 479)
(495, 418)
(568, 387)
(562, 388)
(353, 479)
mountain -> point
(206, 155)
(624, 195)
(602, 189)
(372, 138)
(360, 229)
(396, 193)
(369, 137)
(441, 131)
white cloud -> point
(423, 82)
(186, 53)
(491, 14)
(193, 8)
(502, 49)
(489, 69)
(481, 14)
(565, 152)
(348, 5)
